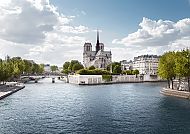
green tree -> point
(112, 65)
(27, 67)
(16, 70)
(108, 67)
(135, 72)
(18, 65)
(65, 71)
(93, 72)
(117, 69)
(83, 72)
(91, 68)
(72, 63)
(41, 68)
(166, 67)
(180, 62)
(186, 54)
(129, 72)
(66, 65)
(6, 70)
(35, 68)
(13, 67)
(77, 66)
(182, 65)
(115, 64)
(54, 68)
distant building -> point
(47, 68)
(126, 65)
(98, 58)
(146, 64)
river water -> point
(132, 108)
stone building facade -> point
(98, 58)
(146, 64)
(126, 65)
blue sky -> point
(54, 31)
(121, 17)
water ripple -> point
(122, 108)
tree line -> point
(13, 68)
(175, 65)
(72, 66)
(76, 67)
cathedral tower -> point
(98, 42)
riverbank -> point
(175, 93)
(6, 90)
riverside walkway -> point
(6, 90)
(175, 93)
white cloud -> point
(35, 29)
(75, 30)
(29, 24)
(155, 37)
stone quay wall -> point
(97, 79)
(175, 93)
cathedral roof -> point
(103, 53)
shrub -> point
(107, 77)
(82, 72)
(117, 69)
(129, 72)
(91, 68)
(93, 72)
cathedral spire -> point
(98, 42)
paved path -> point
(176, 93)
(8, 90)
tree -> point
(41, 68)
(115, 64)
(135, 72)
(166, 67)
(93, 72)
(117, 69)
(91, 68)
(18, 65)
(83, 72)
(112, 65)
(129, 72)
(27, 67)
(180, 62)
(54, 68)
(16, 70)
(66, 65)
(108, 68)
(35, 68)
(182, 66)
(11, 68)
(65, 71)
(72, 63)
(186, 54)
(77, 67)
(6, 70)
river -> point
(132, 108)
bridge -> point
(35, 78)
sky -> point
(54, 31)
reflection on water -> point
(121, 108)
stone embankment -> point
(6, 90)
(175, 93)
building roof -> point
(147, 56)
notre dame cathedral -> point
(98, 58)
